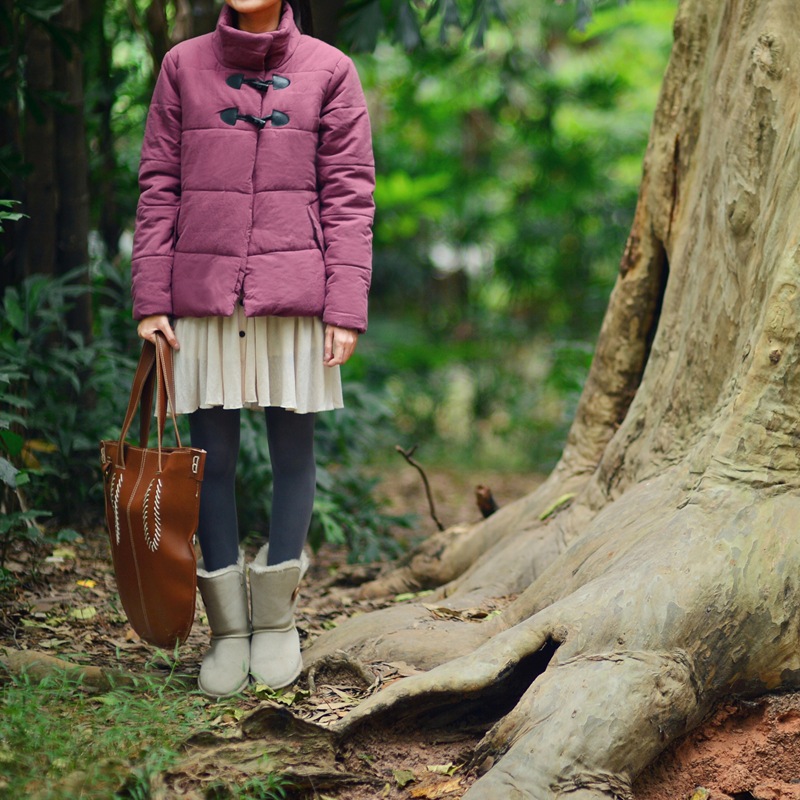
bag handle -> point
(155, 370)
(165, 391)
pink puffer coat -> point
(256, 180)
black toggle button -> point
(230, 116)
(236, 80)
(279, 119)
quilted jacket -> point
(256, 180)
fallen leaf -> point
(262, 691)
(403, 777)
(442, 769)
(556, 505)
(403, 596)
(436, 790)
(700, 794)
(403, 670)
(88, 583)
(87, 612)
(49, 644)
(131, 635)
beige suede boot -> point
(275, 647)
(226, 665)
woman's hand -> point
(157, 322)
(339, 345)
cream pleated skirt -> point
(251, 362)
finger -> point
(329, 340)
(162, 326)
(332, 358)
(345, 352)
(336, 355)
(171, 338)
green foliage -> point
(267, 786)
(414, 23)
(6, 213)
(516, 166)
(65, 389)
(58, 739)
(507, 182)
(502, 401)
(17, 521)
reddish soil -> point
(745, 751)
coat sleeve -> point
(346, 182)
(159, 198)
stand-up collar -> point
(254, 51)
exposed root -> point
(633, 654)
(406, 632)
(41, 665)
(271, 738)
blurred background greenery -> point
(509, 138)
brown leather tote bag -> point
(152, 499)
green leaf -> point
(403, 777)
(15, 314)
(22, 478)
(555, 505)
(12, 442)
(8, 473)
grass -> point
(60, 740)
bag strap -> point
(165, 391)
(154, 371)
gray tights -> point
(291, 449)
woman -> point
(254, 232)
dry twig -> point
(407, 454)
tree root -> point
(271, 740)
(41, 665)
(694, 605)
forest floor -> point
(71, 611)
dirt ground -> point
(745, 750)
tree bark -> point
(11, 266)
(109, 224)
(72, 168)
(40, 201)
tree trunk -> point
(658, 568)
(109, 224)
(72, 168)
(11, 181)
(40, 201)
